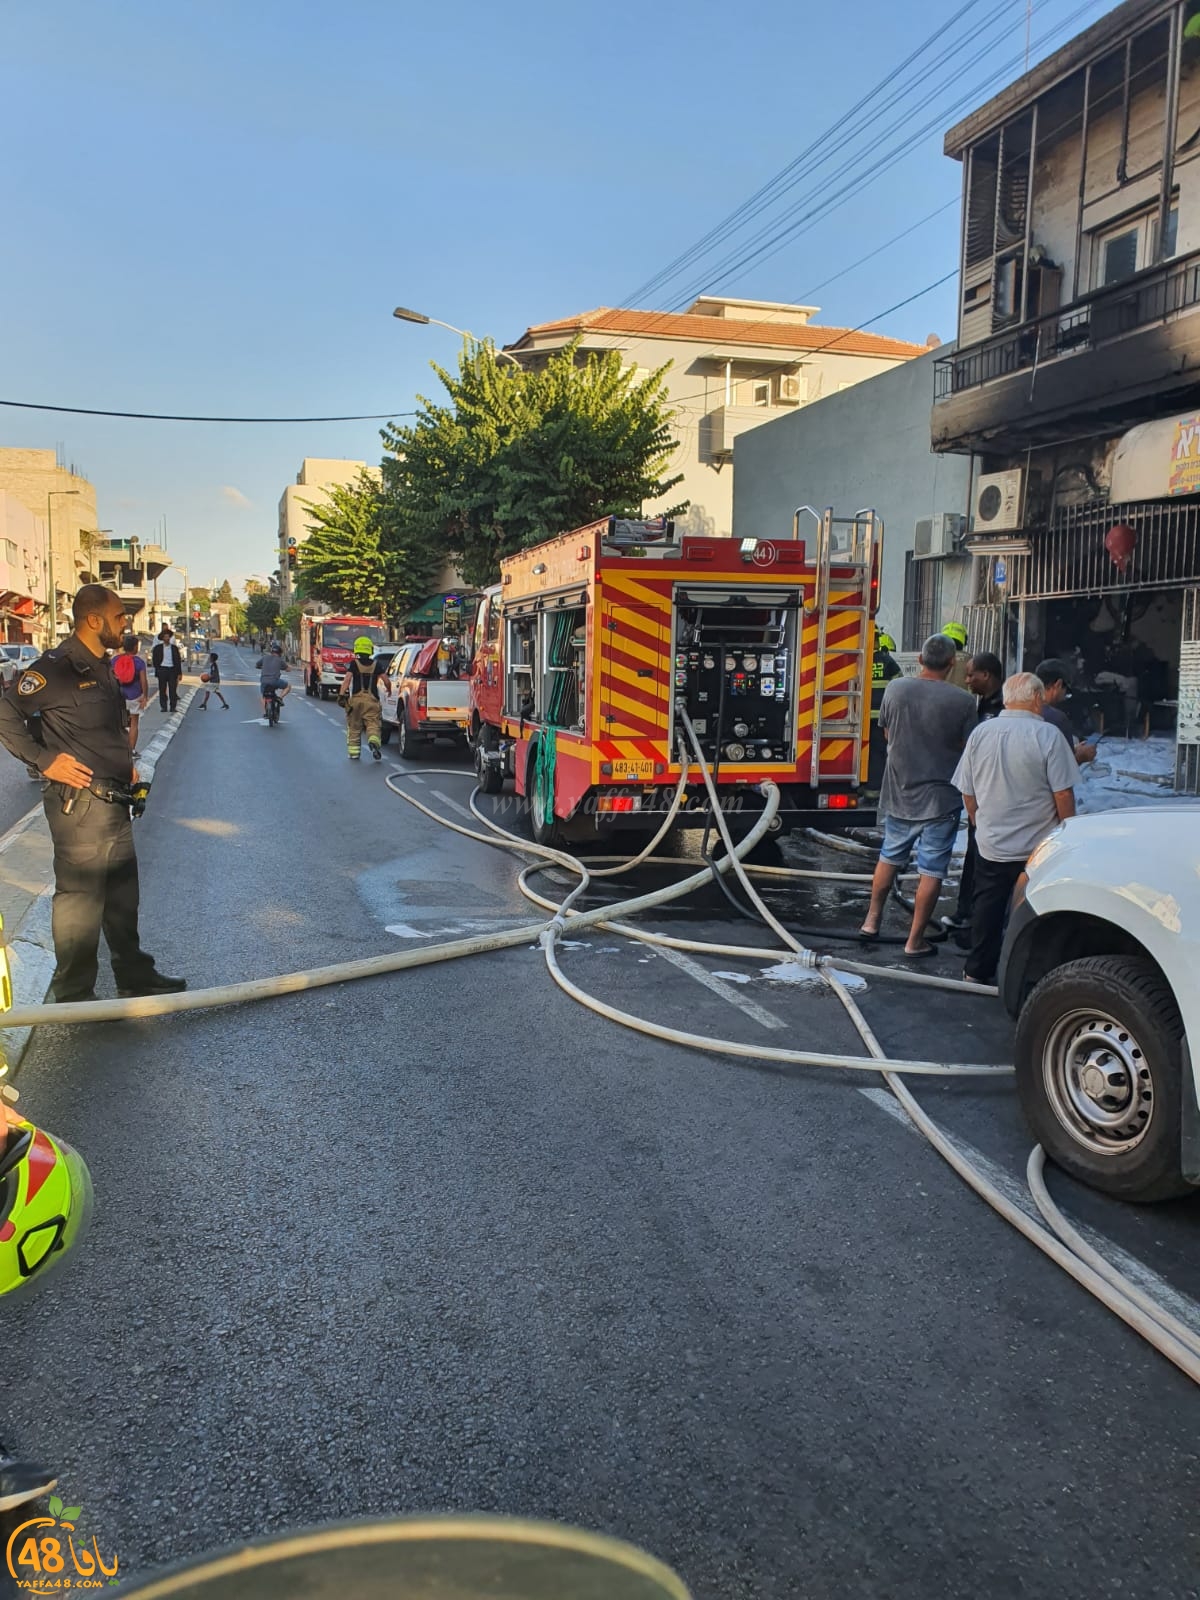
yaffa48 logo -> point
(46, 1555)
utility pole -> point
(187, 616)
(50, 494)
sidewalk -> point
(27, 888)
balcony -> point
(1111, 358)
(131, 563)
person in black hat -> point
(168, 668)
(82, 752)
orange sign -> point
(41, 1561)
(1184, 476)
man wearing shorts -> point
(926, 722)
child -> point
(214, 682)
(129, 670)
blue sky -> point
(212, 207)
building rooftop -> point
(709, 330)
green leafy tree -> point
(290, 620)
(262, 611)
(224, 595)
(237, 617)
(516, 456)
(357, 557)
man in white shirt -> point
(1017, 778)
(168, 667)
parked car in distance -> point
(422, 705)
(1100, 969)
(14, 658)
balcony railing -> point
(1096, 319)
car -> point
(14, 658)
(1100, 970)
(423, 705)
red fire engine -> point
(593, 642)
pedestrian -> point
(957, 635)
(168, 668)
(212, 680)
(985, 677)
(129, 669)
(926, 722)
(84, 756)
(1055, 676)
(359, 693)
(1017, 779)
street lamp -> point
(50, 494)
(405, 315)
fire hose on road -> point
(1058, 1240)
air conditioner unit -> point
(789, 389)
(937, 537)
(999, 501)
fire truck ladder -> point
(856, 540)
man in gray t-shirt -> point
(272, 676)
(926, 722)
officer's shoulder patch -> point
(30, 683)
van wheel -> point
(1099, 1066)
(489, 773)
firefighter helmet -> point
(955, 631)
(884, 641)
(45, 1203)
(364, 647)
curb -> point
(30, 860)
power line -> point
(879, 249)
(160, 416)
(767, 193)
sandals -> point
(922, 953)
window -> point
(922, 600)
(1129, 247)
(10, 551)
(762, 394)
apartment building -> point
(1075, 382)
(317, 476)
(734, 365)
(64, 502)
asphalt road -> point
(450, 1241)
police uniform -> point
(81, 711)
(364, 710)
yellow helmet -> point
(364, 646)
(885, 641)
(45, 1203)
(955, 631)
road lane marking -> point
(1174, 1300)
(454, 806)
(726, 991)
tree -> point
(224, 595)
(262, 612)
(517, 456)
(356, 557)
(290, 620)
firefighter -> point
(884, 667)
(957, 635)
(359, 693)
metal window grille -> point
(1187, 736)
(1070, 558)
(922, 600)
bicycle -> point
(274, 705)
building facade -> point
(317, 476)
(868, 448)
(65, 502)
(132, 569)
(734, 365)
(24, 595)
(1075, 382)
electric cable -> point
(161, 416)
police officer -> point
(83, 754)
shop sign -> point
(1184, 476)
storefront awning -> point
(1158, 460)
(430, 611)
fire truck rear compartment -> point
(733, 672)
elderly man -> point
(926, 722)
(985, 675)
(1017, 777)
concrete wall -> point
(865, 447)
(23, 563)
